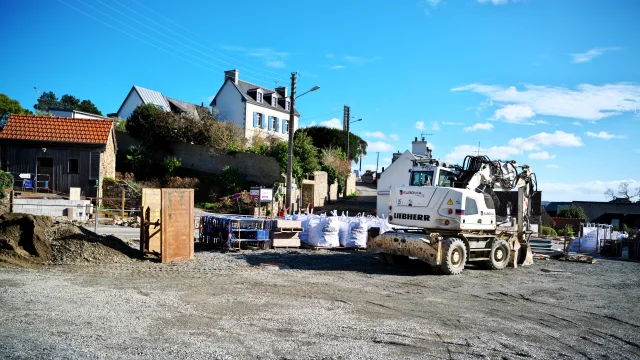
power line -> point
(192, 32)
(147, 35)
(319, 116)
(182, 36)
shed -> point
(66, 152)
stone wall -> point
(351, 183)
(107, 163)
(320, 188)
(125, 141)
(258, 168)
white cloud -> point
(589, 55)
(312, 123)
(360, 60)
(334, 123)
(543, 139)
(494, 2)
(576, 123)
(433, 2)
(272, 58)
(541, 122)
(452, 123)
(394, 137)
(337, 67)
(419, 125)
(586, 102)
(494, 152)
(603, 135)
(378, 146)
(375, 134)
(553, 166)
(586, 191)
(479, 126)
(543, 155)
(515, 114)
(435, 126)
(275, 64)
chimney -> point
(282, 91)
(420, 147)
(231, 74)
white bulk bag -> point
(357, 233)
(343, 232)
(329, 232)
(314, 229)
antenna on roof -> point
(423, 135)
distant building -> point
(257, 110)
(613, 213)
(139, 95)
(74, 114)
(64, 152)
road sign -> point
(255, 199)
(24, 176)
(266, 195)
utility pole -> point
(377, 160)
(294, 77)
(345, 126)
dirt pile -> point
(27, 240)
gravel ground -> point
(319, 304)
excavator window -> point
(488, 200)
(421, 178)
(445, 177)
(470, 207)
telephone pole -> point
(294, 78)
(345, 126)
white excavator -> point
(447, 216)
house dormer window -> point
(274, 100)
(286, 105)
(259, 96)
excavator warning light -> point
(450, 211)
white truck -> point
(447, 217)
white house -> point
(74, 114)
(139, 95)
(255, 109)
(397, 174)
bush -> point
(574, 212)
(548, 231)
(232, 180)
(6, 182)
(139, 160)
(171, 164)
(182, 183)
(568, 230)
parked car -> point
(368, 177)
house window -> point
(259, 96)
(274, 100)
(73, 166)
(260, 118)
(274, 122)
(285, 126)
(286, 105)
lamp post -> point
(294, 77)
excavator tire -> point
(455, 256)
(499, 255)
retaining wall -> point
(53, 207)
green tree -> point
(88, 106)
(139, 160)
(324, 137)
(306, 153)
(142, 119)
(46, 100)
(9, 106)
(69, 102)
(574, 212)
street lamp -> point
(294, 77)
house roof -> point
(248, 92)
(57, 129)
(152, 97)
(189, 108)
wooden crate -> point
(285, 239)
(287, 224)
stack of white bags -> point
(335, 231)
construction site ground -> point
(318, 304)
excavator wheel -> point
(499, 255)
(455, 256)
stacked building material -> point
(286, 233)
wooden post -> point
(122, 211)
(11, 198)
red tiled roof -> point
(56, 129)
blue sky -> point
(554, 84)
